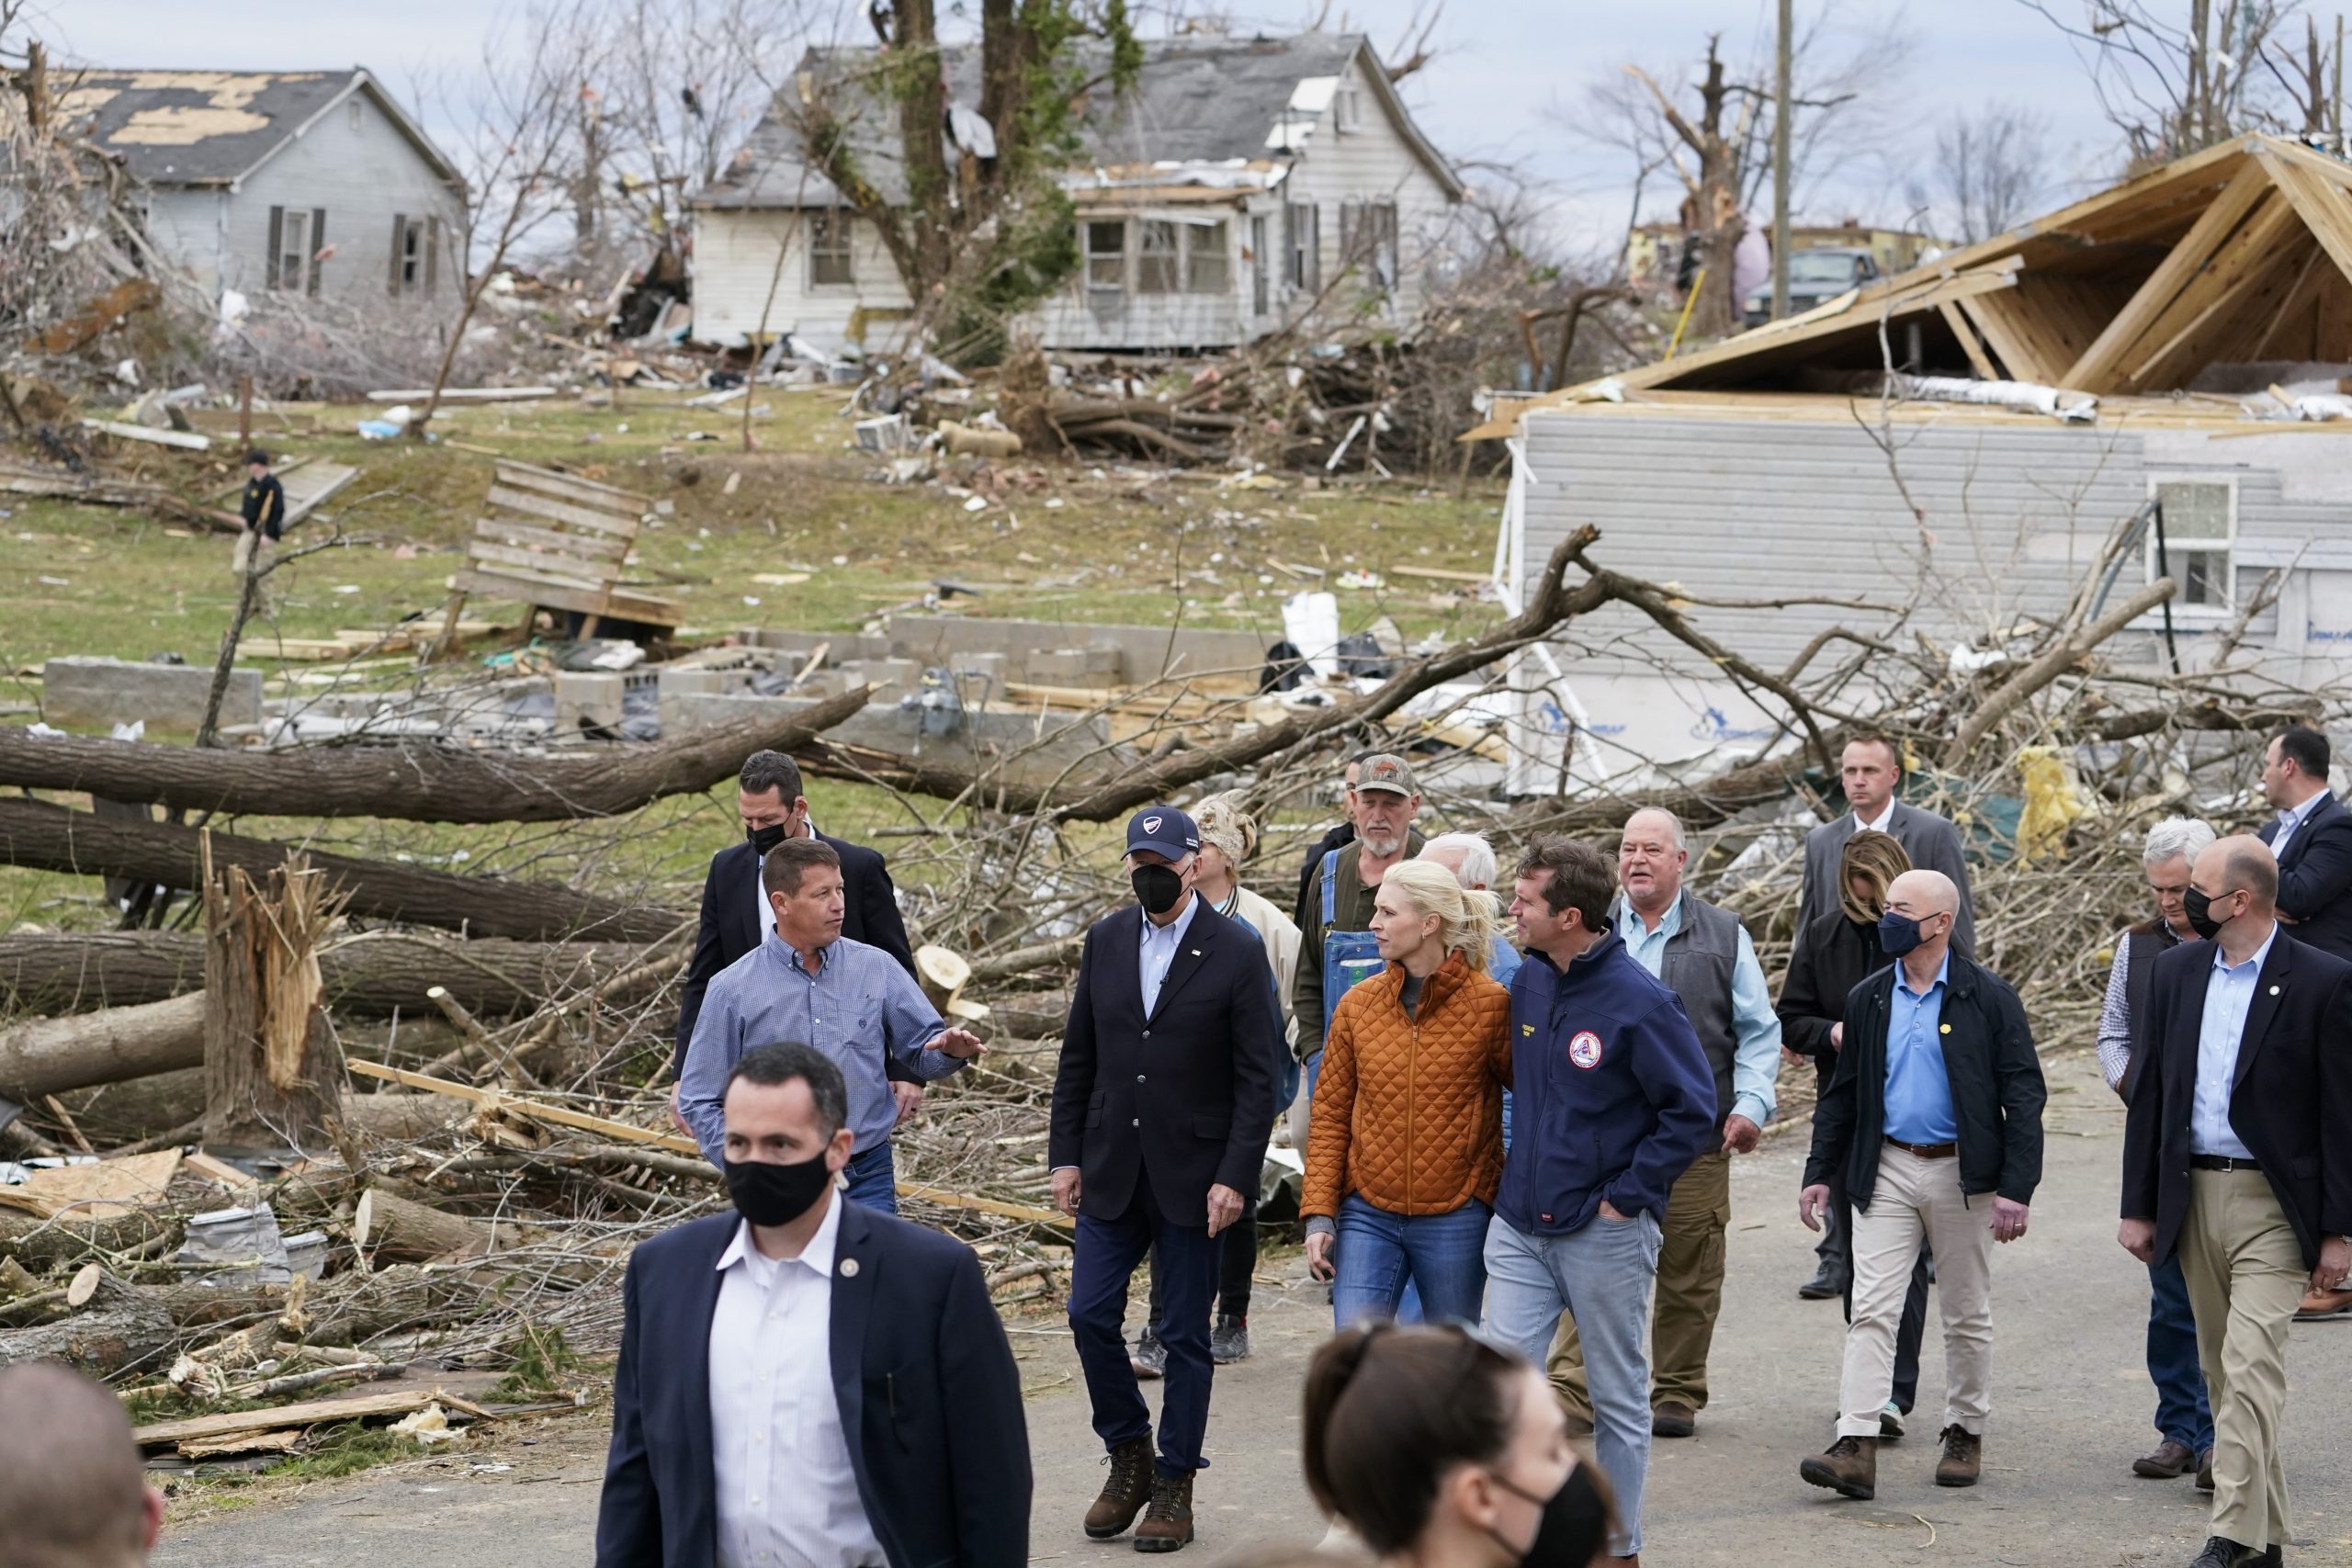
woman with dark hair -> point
(1439, 1450)
(1835, 952)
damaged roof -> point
(213, 127)
(1209, 111)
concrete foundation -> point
(586, 701)
(98, 694)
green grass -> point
(346, 1450)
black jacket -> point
(870, 915)
(2291, 1102)
(924, 1381)
(1186, 1094)
(1997, 1089)
(1339, 837)
(265, 506)
(1831, 957)
(2315, 878)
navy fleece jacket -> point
(1611, 1095)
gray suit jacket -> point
(1932, 843)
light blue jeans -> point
(1381, 1255)
(1601, 1276)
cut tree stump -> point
(271, 1079)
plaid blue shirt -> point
(858, 1005)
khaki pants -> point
(1690, 1296)
(2246, 1276)
(242, 562)
(1916, 1197)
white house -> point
(1242, 182)
(306, 182)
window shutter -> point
(432, 254)
(277, 242)
(1351, 229)
(1284, 264)
(400, 251)
(318, 242)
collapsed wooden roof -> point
(2241, 253)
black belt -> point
(1927, 1151)
(2221, 1162)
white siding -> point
(1372, 163)
(1076, 317)
(360, 176)
(185, 226)
(735, 264)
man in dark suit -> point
(1872, 771)
(735, 915)
(806, 1379)
(2311, 840)
(1161, 1110)
(2237, 1157)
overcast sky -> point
(1507, 75)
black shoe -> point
(2223, 1553)
(1229, 1340)
(1150, 1357)
(1824, 1286)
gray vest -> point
(1698, 968)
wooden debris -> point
(103, 1190)
(185, 440)
(240, 1443)
(309, 1413)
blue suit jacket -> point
(2315, 878)
(930, 1400)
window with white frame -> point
(1208, 266)
(1159, 262)
(2192, 539)
(828, 257)
(1106, 254)
(1302, 230)
(1347, 109)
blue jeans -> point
(872, 1178)
(1380, 1251)
(2183, 1414)
(1105, 1257)
(1601, 1276)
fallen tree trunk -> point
(48, 1054)
(414, 781)
(52, 837)
(390, 1228)
(1553, 604)
(371, 976)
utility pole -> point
(1780, 96)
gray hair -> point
(1681, 839)
(2182, 836)
(1477, 857)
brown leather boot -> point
(1963, 1458)
(1849, 1468)
(1167, 1522)
(1124, 1492)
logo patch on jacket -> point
(1527, 1029)
(1584, 1049)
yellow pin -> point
(1527, 1029)
(1943, 1029)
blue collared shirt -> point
(1919, 1090)
(858, 1005)
(1756, 1028)
(1156, 953)
(2229, 992)
(2291, 819)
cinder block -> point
(588, 701)
(685, 713)
(1089, 667)
(890, 678)
(692, 683)
(97, 693)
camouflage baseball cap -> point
(1385, 770)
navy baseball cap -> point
(1165, 832)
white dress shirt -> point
(763, 912)
(1156, 953)
(2229, 993)
(2292, 818)
(1885, 816)
(787, 1495)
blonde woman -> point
(1405, 1145)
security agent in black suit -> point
(2253, 1190)
(925, 1398)
(733, 918)
(2315, 856)
(1161, 1110)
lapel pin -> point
(1944, 1027)
(849, 1268)
(2274, 990)
(1196, 952)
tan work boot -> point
(1848, 1469)
(1963, 1458)
(1124, 1492)
(1167, 1522)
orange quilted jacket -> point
(1409, 1109)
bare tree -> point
(2177, 78)
(1988, 174)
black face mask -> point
(1574, 1527)
(776, 1194)
(762, 839)
(2200, 910)
(1157, 887)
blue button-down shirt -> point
(857, 1005)
(2229, 992)
(1756, 1028)
(1156, 953)
(2292, 818)
(1919, 1090)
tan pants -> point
(1916, 1197)
(242, 562)
(1690, 1296)
(2246, 1276)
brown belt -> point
(1926, 1151)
